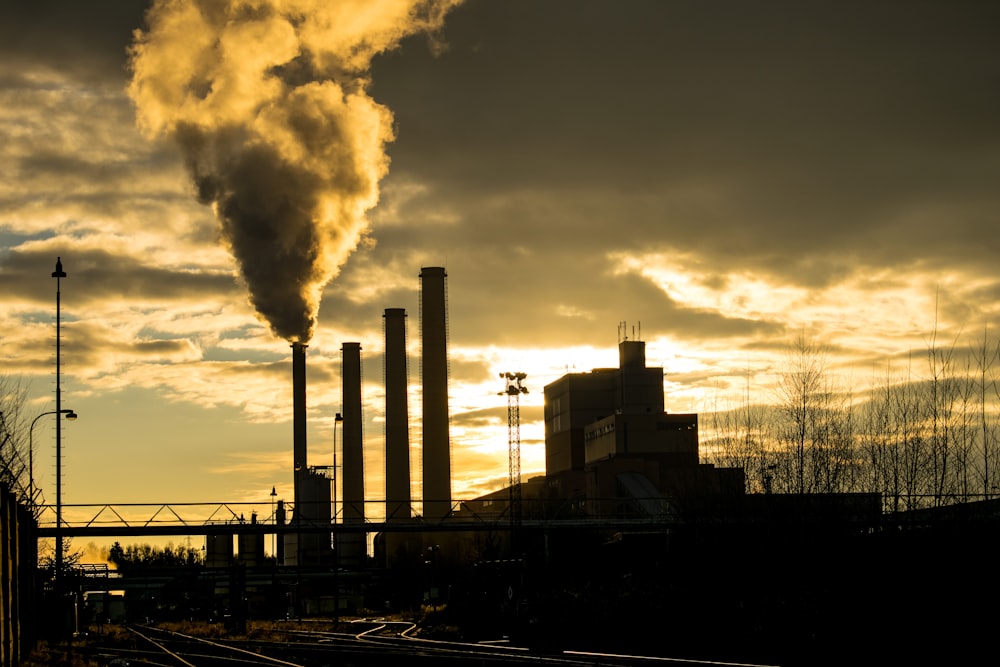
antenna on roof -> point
(623, 328)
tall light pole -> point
(70, 415)
(274, 518)
(338, 419)
(58, 274)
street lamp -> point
(274, 518)
(58, 274)
(70, 415)
(337, 419)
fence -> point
(18, 563)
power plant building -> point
(611, 450)
(609, 440)
(312, 512)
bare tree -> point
(816, 433)
(878, 474)
(14, 437)
(987, 391)
(798, 389)
(940, 405)
(739, 437)
(918, 439)
(964, 433)
(843, 473)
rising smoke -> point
(267, 100)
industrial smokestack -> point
(397, 425)
(351, 546)
(299, 458)
(434, 367)
(354, 464)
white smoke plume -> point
(268, 101)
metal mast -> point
(58, 274)
(513, 390)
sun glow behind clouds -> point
(867, 317)
(734, 295)
(898, 303)
(478, 406)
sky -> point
(713, 177)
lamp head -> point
(70, 415)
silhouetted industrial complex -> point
(610, 450)
(626, 535)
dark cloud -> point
(798, 140)
(319, 370)
(88, 346)
(497, 414)
(95, 276)
(161, 348)
(540, 298)
(86, 38)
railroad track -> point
(374, 644)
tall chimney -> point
(299, 420)
(434, 367)
(354, 464)
(397, 425)
(351, 546)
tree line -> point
(140, 556)
(922, 432)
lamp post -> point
(338, 419)
(58, 274)
(70, 415)
(274, 518)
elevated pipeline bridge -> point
(241, 518)
(257, 518)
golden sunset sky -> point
(720, 176)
